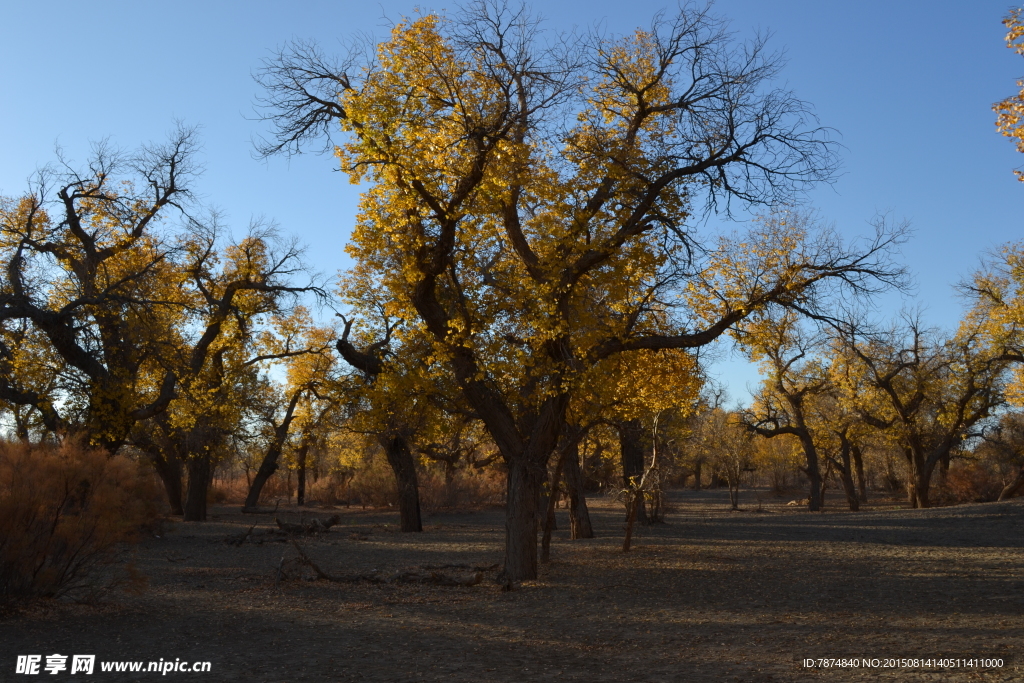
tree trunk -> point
(263, 474)
(169, 471)
(579, 515)
(921, 468)
(549, 517)
(631, 445)
(524, 486)
(944, 469)
(635, 499)
(1010, 489)
(300, 493)
(862, 486)
(199, 473)
(402, 464)
(846, 470)
(269, 464)
(696, 475)
(812, 470)
(922, 482)
(849, 488)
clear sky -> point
(907, 84)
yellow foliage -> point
(1010, 121)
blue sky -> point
(908, 85)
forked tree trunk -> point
(269, 464)
(263, 475)
(524, 487)
(579, 515)
(199, 473)
(404, 467)
(169, 470)
(631, 445)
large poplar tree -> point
(530, 202)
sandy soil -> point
(712, 595)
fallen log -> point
(239, 539)
(411, 575)
(313, 526)
(436, 578)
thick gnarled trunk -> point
(200, 472)
(921, 462)
(396, 448)
(524, 487)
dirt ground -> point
(711, 595)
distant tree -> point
(794, 377)
(928, 393)
(1003, 443)
(107, 309)
(310, 378)
(89, 281)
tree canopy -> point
(532, 203)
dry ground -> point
(712, 595)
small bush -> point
(63, 512)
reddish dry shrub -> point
(970, 482)
(467, 489)
(63, 512)
(275, 488)
(331, 489)
(373, 485)
(216, 494)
